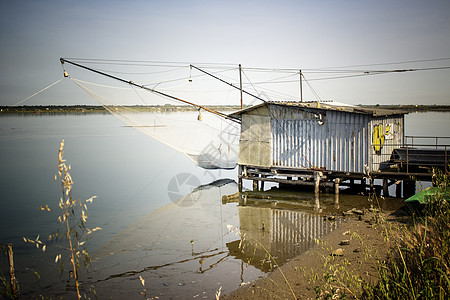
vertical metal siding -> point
(340, 144)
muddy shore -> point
(349, 252)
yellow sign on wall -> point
(378, 137)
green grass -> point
(418, 266)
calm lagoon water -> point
(180, 238)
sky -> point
(308, 35)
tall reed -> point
(418, 266)
(73, 232)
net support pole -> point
(301, 88)
(240, 84)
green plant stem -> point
(407, 272)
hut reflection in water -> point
(270, 233)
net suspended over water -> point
(210, 140)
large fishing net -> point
(210, 140)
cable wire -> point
(47, 87)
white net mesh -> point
(209, 140)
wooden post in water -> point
(409, 188)
(336, 186)
(316, 203)
(398, 189)
(385, 188)
(255, 185)
(336, 192)
(240, 178)
(11, 272)
(316, 182)
(363, 186)
(371, 187)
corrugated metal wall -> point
(335, 140)
(386, 135)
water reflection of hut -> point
(294, 143)
(282, 233)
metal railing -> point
(426, 141)
(418, 154)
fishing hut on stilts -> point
(325, 146)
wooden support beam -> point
(371, 187)
(316, 202)
(285, 181)
(363, 186)
(337, 181)
(316, 182)
(398, 189)
(385, 187)
(255, 185)
(336, 185)
(240, 170)
(409, 188)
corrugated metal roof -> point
(325, 106)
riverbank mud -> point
(348, 253)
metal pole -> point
(240, 84)
(230, 84)
(301, 89)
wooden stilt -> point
(363, 185)
(385, 188)
(409, 188)
(336, 186)
(336, 192)
(316, 182)
(255, 185)
(240, 178)
(316, 202)
(372, 190)
(398, 189)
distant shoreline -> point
(38, 109)
(52, 109)
(412, 107)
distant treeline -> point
(171, 108)
(98, 108)
(411, 107)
